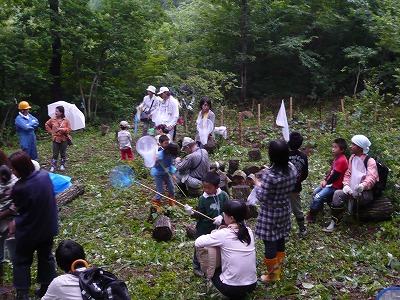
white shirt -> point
(238, 260)
(64, 287)
(124, 139)
(167, 112)
(147, 106)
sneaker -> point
(327, 229)
(309, 219)
(52, 169)
(198, 272)
(62, 168)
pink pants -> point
(126, 152)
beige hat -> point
(239, 173)
(186, 141)
(151, 89)
(162, 90)
(124, 124)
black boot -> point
(40, 292)
(337, 215)
(302, 226)
(22, 295)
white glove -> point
(218, 220)
(188, 209)
(347, 190)
(359, 188)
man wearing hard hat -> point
(25, 124)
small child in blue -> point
(162, 171)
(210, 204)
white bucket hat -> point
(151, 89)
(162, 90)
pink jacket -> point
(369, 180)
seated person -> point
(358, 181)
(237, 275)
(66, 286)
(194, 166)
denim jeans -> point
(23, 260)
(320, 195)
(10, 247)
(159, 179)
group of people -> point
(59, 127)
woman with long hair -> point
(59, 127)
(237, 275)
(273, 222)
(36, 225)
(204, 114)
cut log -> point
(192, 192)
(163, 230)
(381, 209)
(191, 231)
(255, 154)
(70, 194)
(240, 192)
(251, 169)
(105, 129)
(233, 165)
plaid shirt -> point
(273, 222)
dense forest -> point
(101, 54)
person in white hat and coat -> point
(358, 181)
(147, 108)
(167, 111)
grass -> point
(113, 227)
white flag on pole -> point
(281, 120)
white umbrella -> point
(72, 113)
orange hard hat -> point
(23, 105)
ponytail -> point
(243, 233)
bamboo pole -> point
(221, 119)
(376, 112)
(309, 126)
(291, 108)
(240, 128)
(259, 116)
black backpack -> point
(98, 284)
(383, 172)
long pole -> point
(137, 182)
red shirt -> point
(340, 165)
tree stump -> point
(105, 129)
(192, 192)
(191, 230)
(233, 165)
(240, 192)
(381, 209)
(255, 154)
(251, 169)
(70, 194)
(163, 230)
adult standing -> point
(147, 107)
(59, 127)
(5, 192)
(25, 124)
(167, 111)
(204, 114)
(36, 225)
(194, 166)
(274, 218)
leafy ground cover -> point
(114, 227)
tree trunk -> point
(70, 194)
(55, 65)
(163, 230)
(243, 63)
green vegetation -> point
(113, 225)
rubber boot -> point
(312, 216)
(171, 203)
(272, 269)
(156, 204)
(302, 226)
(62, 164)
(53, 165)
(337, 215)
(1, 275)
(280, 256)
(40, 292)
(22, 295)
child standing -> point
(125, 141)
(162, 171)
(300, 161)
(273, 222)
(332, 182)
(7, 181)
(210, 203)
(161, 130)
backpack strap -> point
(366, 162)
